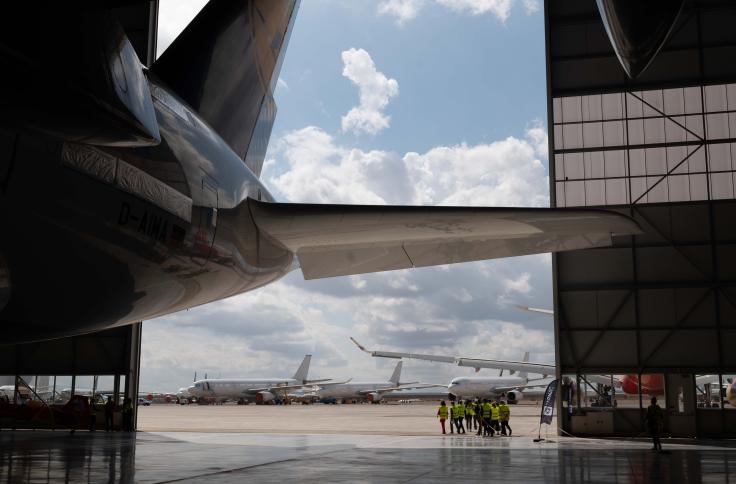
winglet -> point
(360, 346)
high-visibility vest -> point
(470, 409)
(460, 411)
(494, 412)
(504, 411)
(452, 412)
(487, 410)
(442, 412)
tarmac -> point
(300, 447)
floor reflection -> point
(43, 456)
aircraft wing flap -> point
(332, 240)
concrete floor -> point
(214, 457)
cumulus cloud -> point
(406, 10)
(375, 91)
(503, 173)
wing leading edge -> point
(338, 240)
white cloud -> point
(406, 10)
(282, 84)
(520, 284)
(503, 173)
(402, 10)
(375, 91)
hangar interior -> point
(653, 314)
(38, 379)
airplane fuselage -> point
(114, 244)
(236, 389)
(483, 387)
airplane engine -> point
(514, 397)
(264, 397)
(373, 397)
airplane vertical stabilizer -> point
(396, 375)
(225, 66)
(303, 371)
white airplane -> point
(373, 391)
(260, 390)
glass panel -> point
(694, 124)
(636, 132)
(572, 136)
(655, 161)
(659, 192)
(106, 386)
(675, 132)
(698, 187)
(675, 157)
(652, 385)
(721, 185)
(594, 166)
(612, 106)
(615, 163)
(637, 162)
(63, 389)
(595, 192)
(574, 166)
(679, 188)
(616, 192)
(560, 194)
(728, 392)
(638, 187)
(627, 390)
(654, 130)
(558, 138)
(674, 101)
(715, 98)
(596, 391)
(732, 125)
(707, 394)
(717, 126)
(571, 109)
(592, 135)
(575, 194)
(613, 133)
(653, 99)
(83, 385)
(693, 101)
(731, 96)
(719, 157)
(556, 110)
(559, 167)
(634, 107)
(592, 110)
(122, 390)
(696, 161)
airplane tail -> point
(303, 371)
(396, 375)
(225, 65)
(524, 374)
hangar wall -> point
(651, 315)
(38, 379)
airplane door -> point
(207, 219)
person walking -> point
(452, 417)
(504, 413)
(442, 414)
(459, 417)
(478, 412)
(487, 415)
(654, 420)
(109, 412)
(495, 415)
(469, 414)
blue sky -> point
(392, 101)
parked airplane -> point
(373, 391)
(259, 390)
(146, 196)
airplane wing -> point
(541, 384)
(476, 363)
(338, 240)
(332, 384)
(536, 310)
(401, 387)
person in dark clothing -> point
(109, 412)
(128, 415)
(654, 420)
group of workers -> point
(486, 416)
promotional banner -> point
(548, 405)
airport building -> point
(655, 311)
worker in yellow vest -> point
(495, 414)
(469, 414)
(442, 413)
(487, 415)
(459, 417)
(452, 417)
(504, 413)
